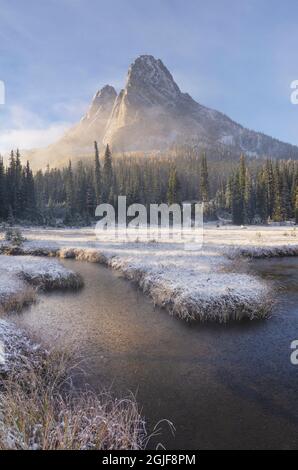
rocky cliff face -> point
(151, 113)
(78, 142)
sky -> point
(238, 57)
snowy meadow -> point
(204, 285)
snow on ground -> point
(201, 284)
(252, 239)
(17, 273)
(15, 348)
(223, 236)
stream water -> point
(223, 387)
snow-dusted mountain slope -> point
(151, 113)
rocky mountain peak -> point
(102, 99)
(105, 92)
(151, 113)
(149, 78)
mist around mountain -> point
(152, 114)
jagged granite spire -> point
(103, 101)
(151, 113)
(148, 77)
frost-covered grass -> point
(193, 285)
(14, 292)
(39, 408)
(254, 242)
(259, 252)
(18, 350)
(49, 275)
(21, 275)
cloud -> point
(18, 117)
(25, 130)
(30, 138)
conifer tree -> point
(242, 174)
(229, 194)
(18, 202)
(285, 199)
(277, 207)
(261, 209)
(107, 174)
(237, 201)
(269, 183)
(173, 187)
(90, 206)
(70, 190)
(30, 199)
(248, 199)
(3, 201)
(204, 179)
(81, 189)
(97, 175)
(296, 206)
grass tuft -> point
(39, 409)
(15, 302)
(48, 282)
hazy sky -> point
(235, 56)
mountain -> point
(79, 140)
(151, 113)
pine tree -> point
(30, 199)
(229, 194)
(242, 186)
(3, 201)
(97, 175)
(18, 202)
(277, 207)
(285, 199)
(269, 182)
(11, 182)
(173, 187)
(296, 206)
(261, 208)
(241, 194)
(70, 190)
(107, 174)
(248, 199)
(90, 206)
(237, 201)
(81, 188)
(242, 172)
(204, 179)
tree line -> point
(17, 189)
(269, 193)
(245, 192)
